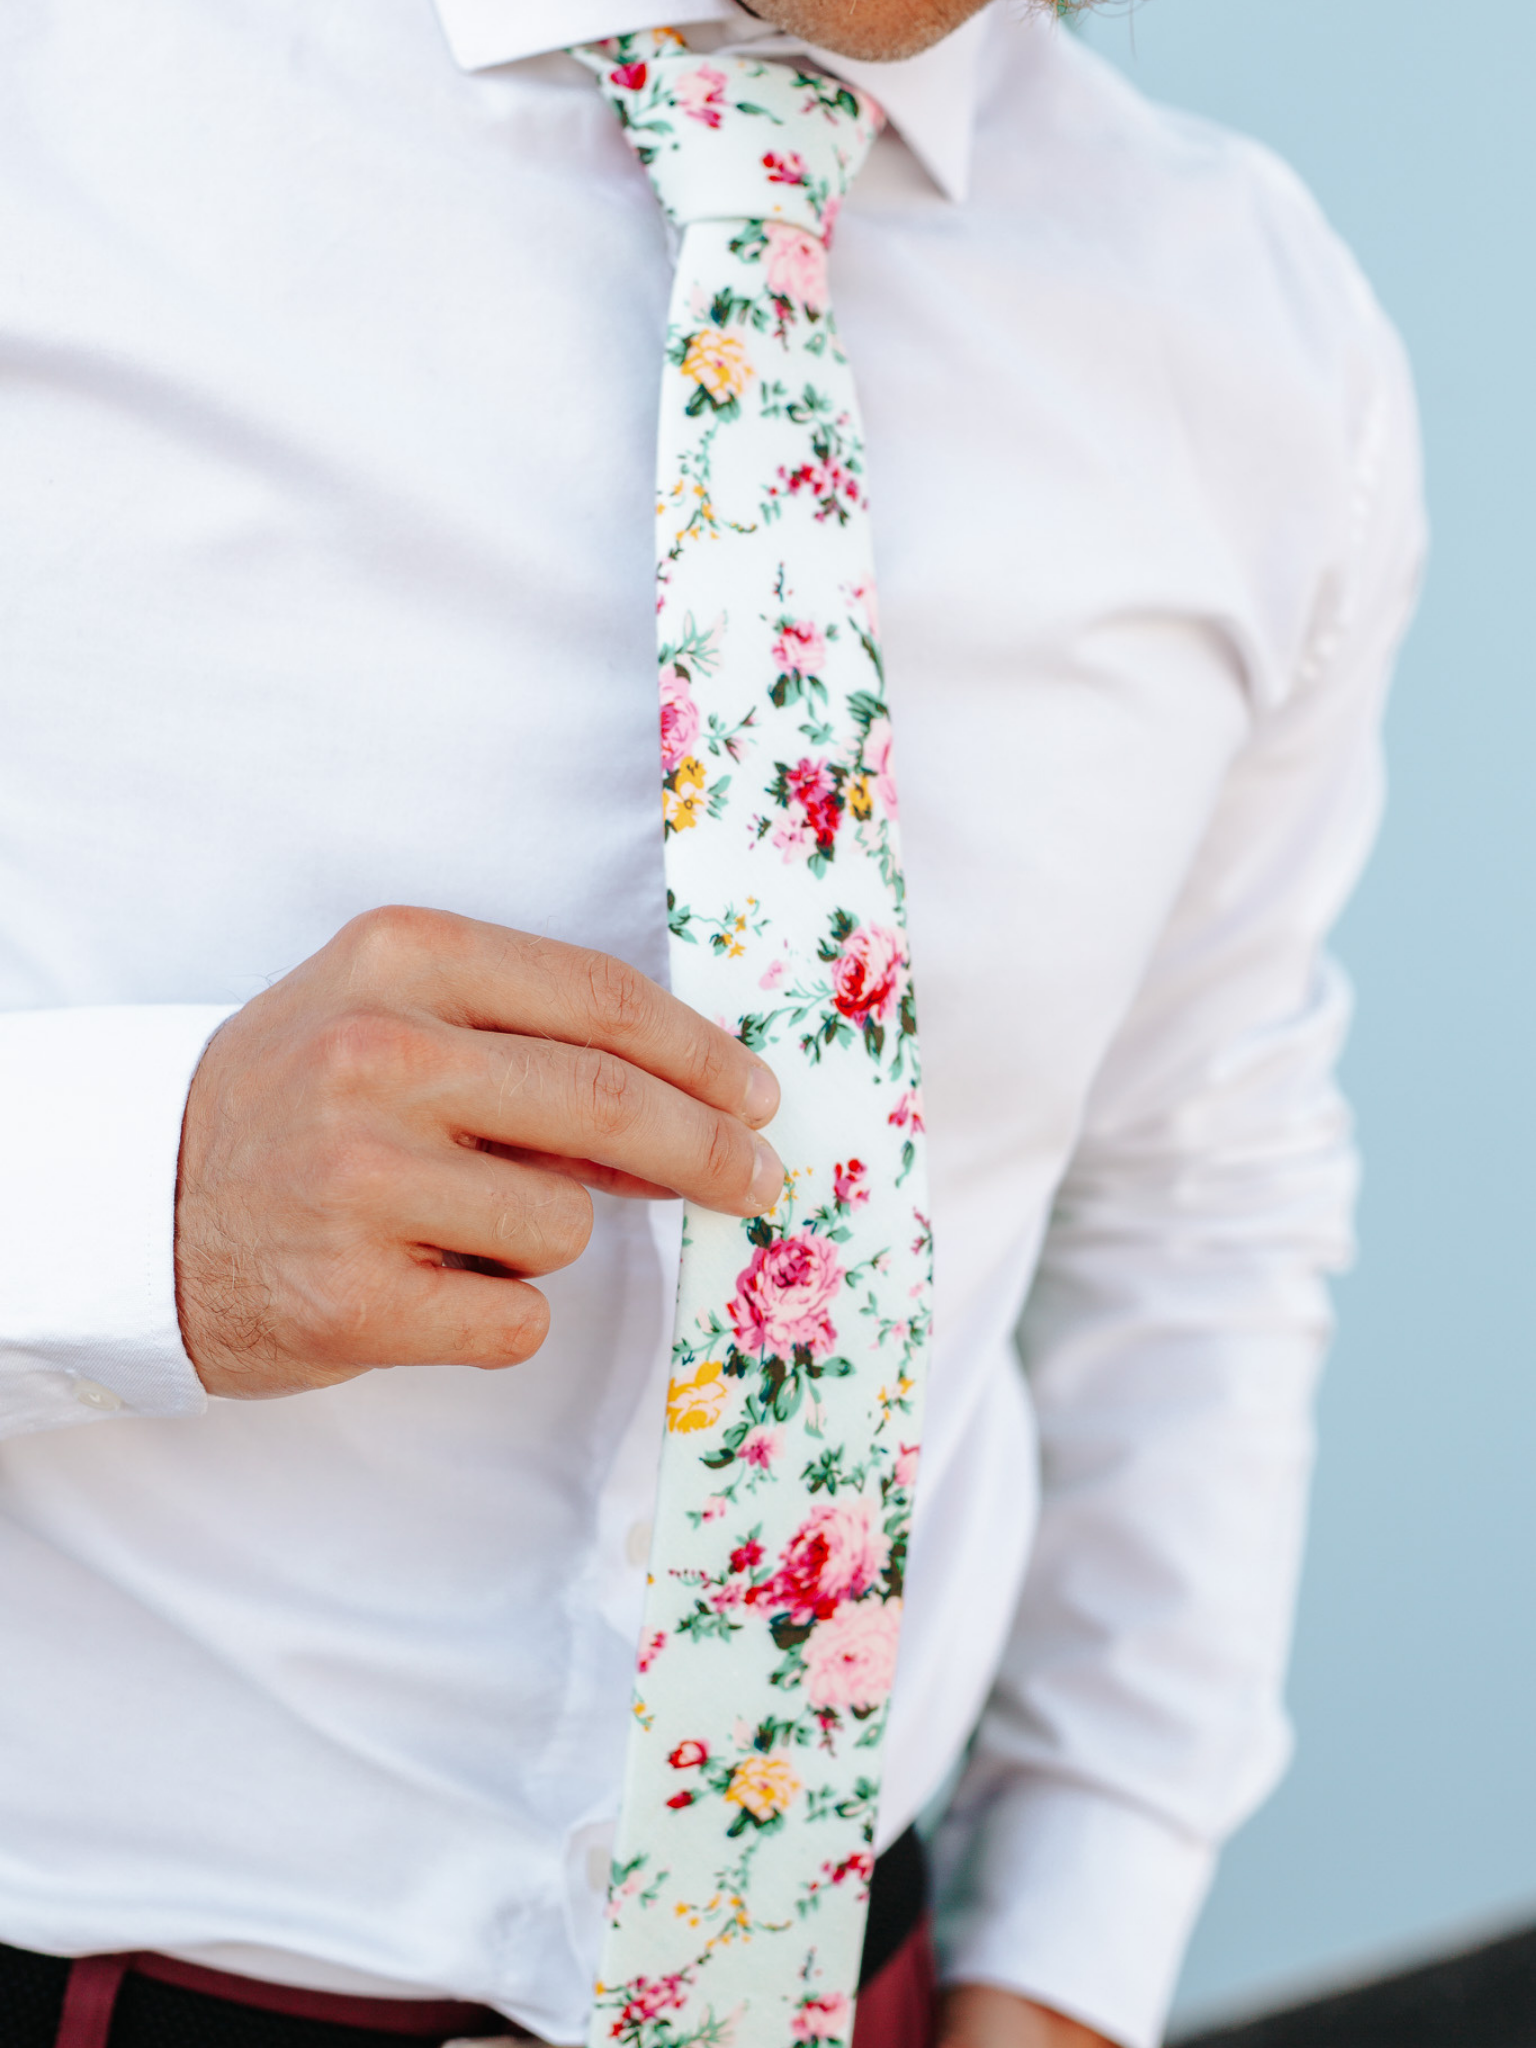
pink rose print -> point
(760, 1447)
(815, 809)
(783, 1299)
(785, 169)
(801, 649)
(848, 1186)
(908, 1110)
(689, 1755)
(850, 1660)
(771, 978)
(877, 764)
(679, 718)
(796, 265)
(821, 2018)
(631, 77)
(701, 95)
(834, 1555)
(906, 1465)
(870, 974)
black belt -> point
(155, 2002)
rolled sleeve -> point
(91, 1104)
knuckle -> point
(377, 941)
(363, 1050)
(728, 1156)
(707, 1063)
(605, 1090)
(618, 993)
(555, 1224)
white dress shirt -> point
(328, 372)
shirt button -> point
(597, 1867)
(92, 1394)
(637, 1544)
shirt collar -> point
(931, 98)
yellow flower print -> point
(764, 1785)
(682, 796)
(719, 363)
(680, 812)
(696, 1403)
(860, 802)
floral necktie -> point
(744, 1847)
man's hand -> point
(381, 1145)
(982, 2016)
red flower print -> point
(812, 789)
(746, 1555)
(630, 76)
(680, 1800)
(828, 481)
(834, 1555)
(870, 974)
(649, 1997)
(785, 169)
(860, 1865)
(848, 1187)
(689, 1755)
(783, 1299)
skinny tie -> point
(773, 1605)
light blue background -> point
(1409, 1820)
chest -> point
(375, 620)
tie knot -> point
(735, 137)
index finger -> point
(487, 977)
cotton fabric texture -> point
(744, 1847)
(329, 415)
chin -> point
(876, 31)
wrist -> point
(987, 2016)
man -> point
(331, 342)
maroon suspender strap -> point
(89, 1997)
(94, 1982)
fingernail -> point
(762, 1103)
(767, 1178)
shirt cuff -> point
(91, 1103)
(1074, 1899)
